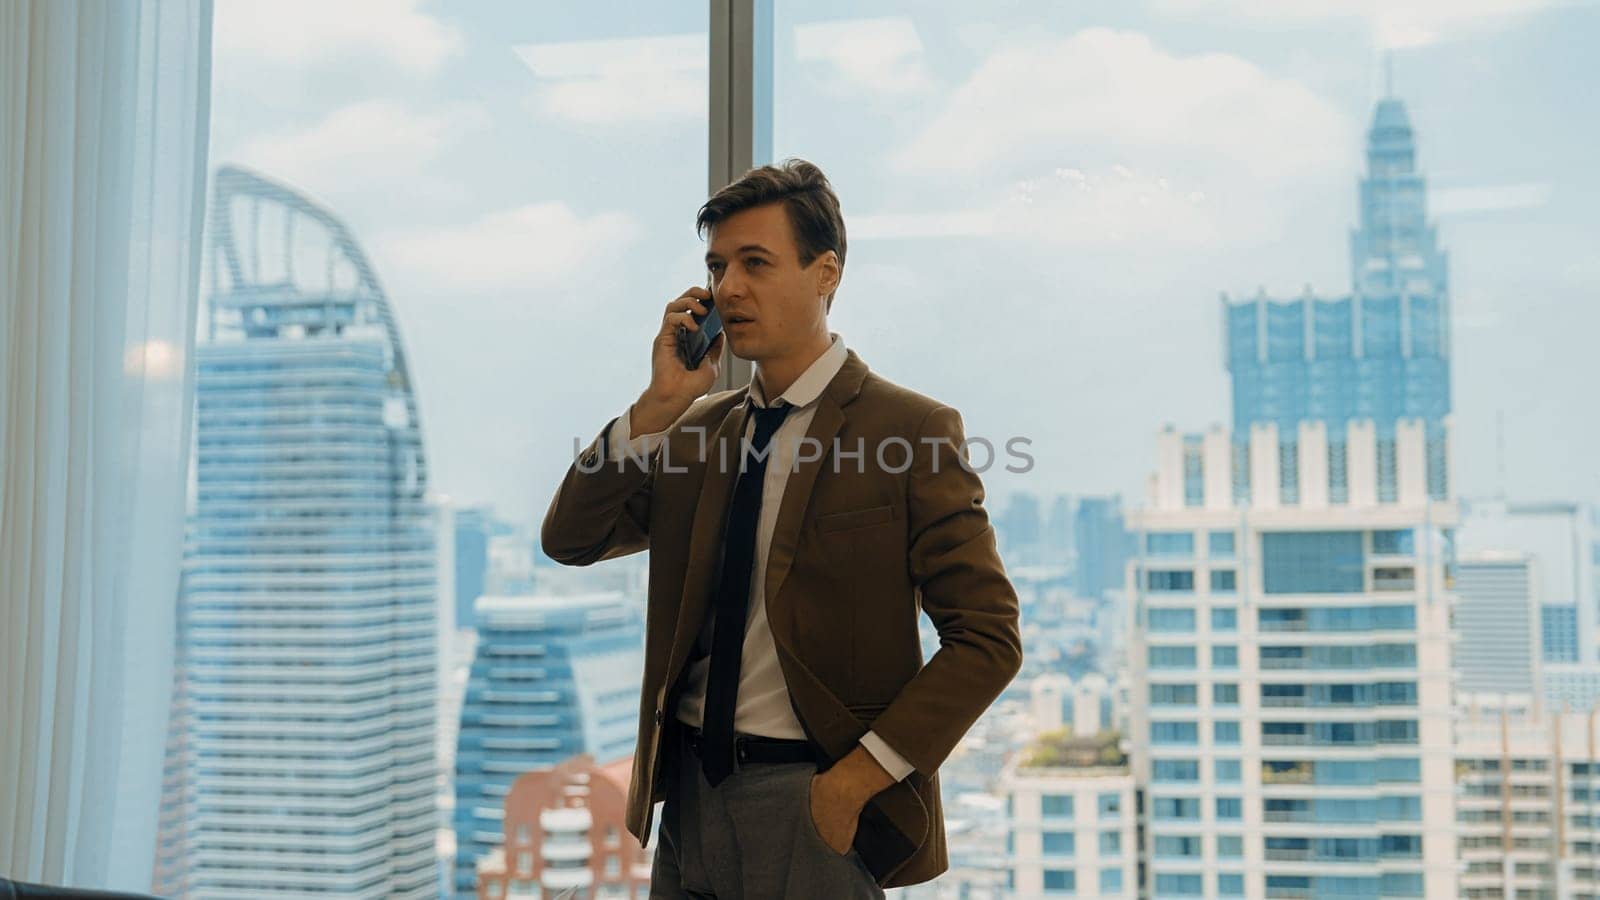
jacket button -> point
(660, 717)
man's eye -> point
(753, 261)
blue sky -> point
(1044, 203)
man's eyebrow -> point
(756, 247)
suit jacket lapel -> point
(722, 470)
(825, 424)
(705, 551)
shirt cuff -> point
(642, 446)
(892, 762)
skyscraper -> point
(554, 677)
(1057, 539)
(1528, 801)
(1291, 613)
(303, 752)
(1562, 543)
(1380, 354)
(1497, 625)
(1020, 527)
(474, 528)
(1101, 545)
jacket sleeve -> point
(957, 569)
(602, 508)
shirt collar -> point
(812, 382)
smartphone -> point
(693, 345)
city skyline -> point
(463, 88)
(1391, 471)
(1180, 489)
(1275, 571)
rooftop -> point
(1061, 749)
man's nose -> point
(730, 287)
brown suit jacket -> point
(856, 552)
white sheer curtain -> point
(104, 116)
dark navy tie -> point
(732, 601)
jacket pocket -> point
(866, 713)
(856, 518)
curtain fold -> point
(104, 118)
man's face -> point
(771, 307)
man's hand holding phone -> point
(673, 385)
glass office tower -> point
(1381, 353)
(302, 757)
(553, 677)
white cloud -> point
(298, 33)
(1119, 95)
(1104, 139)
(885, 276)
(1489, 198)
(364, 143)
(1068, 206)
(950, 223)
(880, 55)
(1116, 207)
(541, 246)
(1394, 23)
(621, 81)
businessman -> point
(796, 527)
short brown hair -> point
(806, 195)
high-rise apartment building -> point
(1292, 680)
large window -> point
(1173, 695)
(1174, 620)
(1043, 202)
(1169, 543)
(1174, 733)
(1056, 806)
(1175, 770)
(1312, 562)
(466, 219)
(1060, 881)
(1169, 581)
(1057, 843)
(1172, 657)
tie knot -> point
(768, 418)
(774, 413)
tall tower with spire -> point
(1394, 250)
(1400, 281)
(1290, 635)
(1380, 355)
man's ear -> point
(830, 273)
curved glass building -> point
(302, 758)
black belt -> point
(750, 748)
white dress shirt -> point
(763, 706)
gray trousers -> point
(749, 838)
